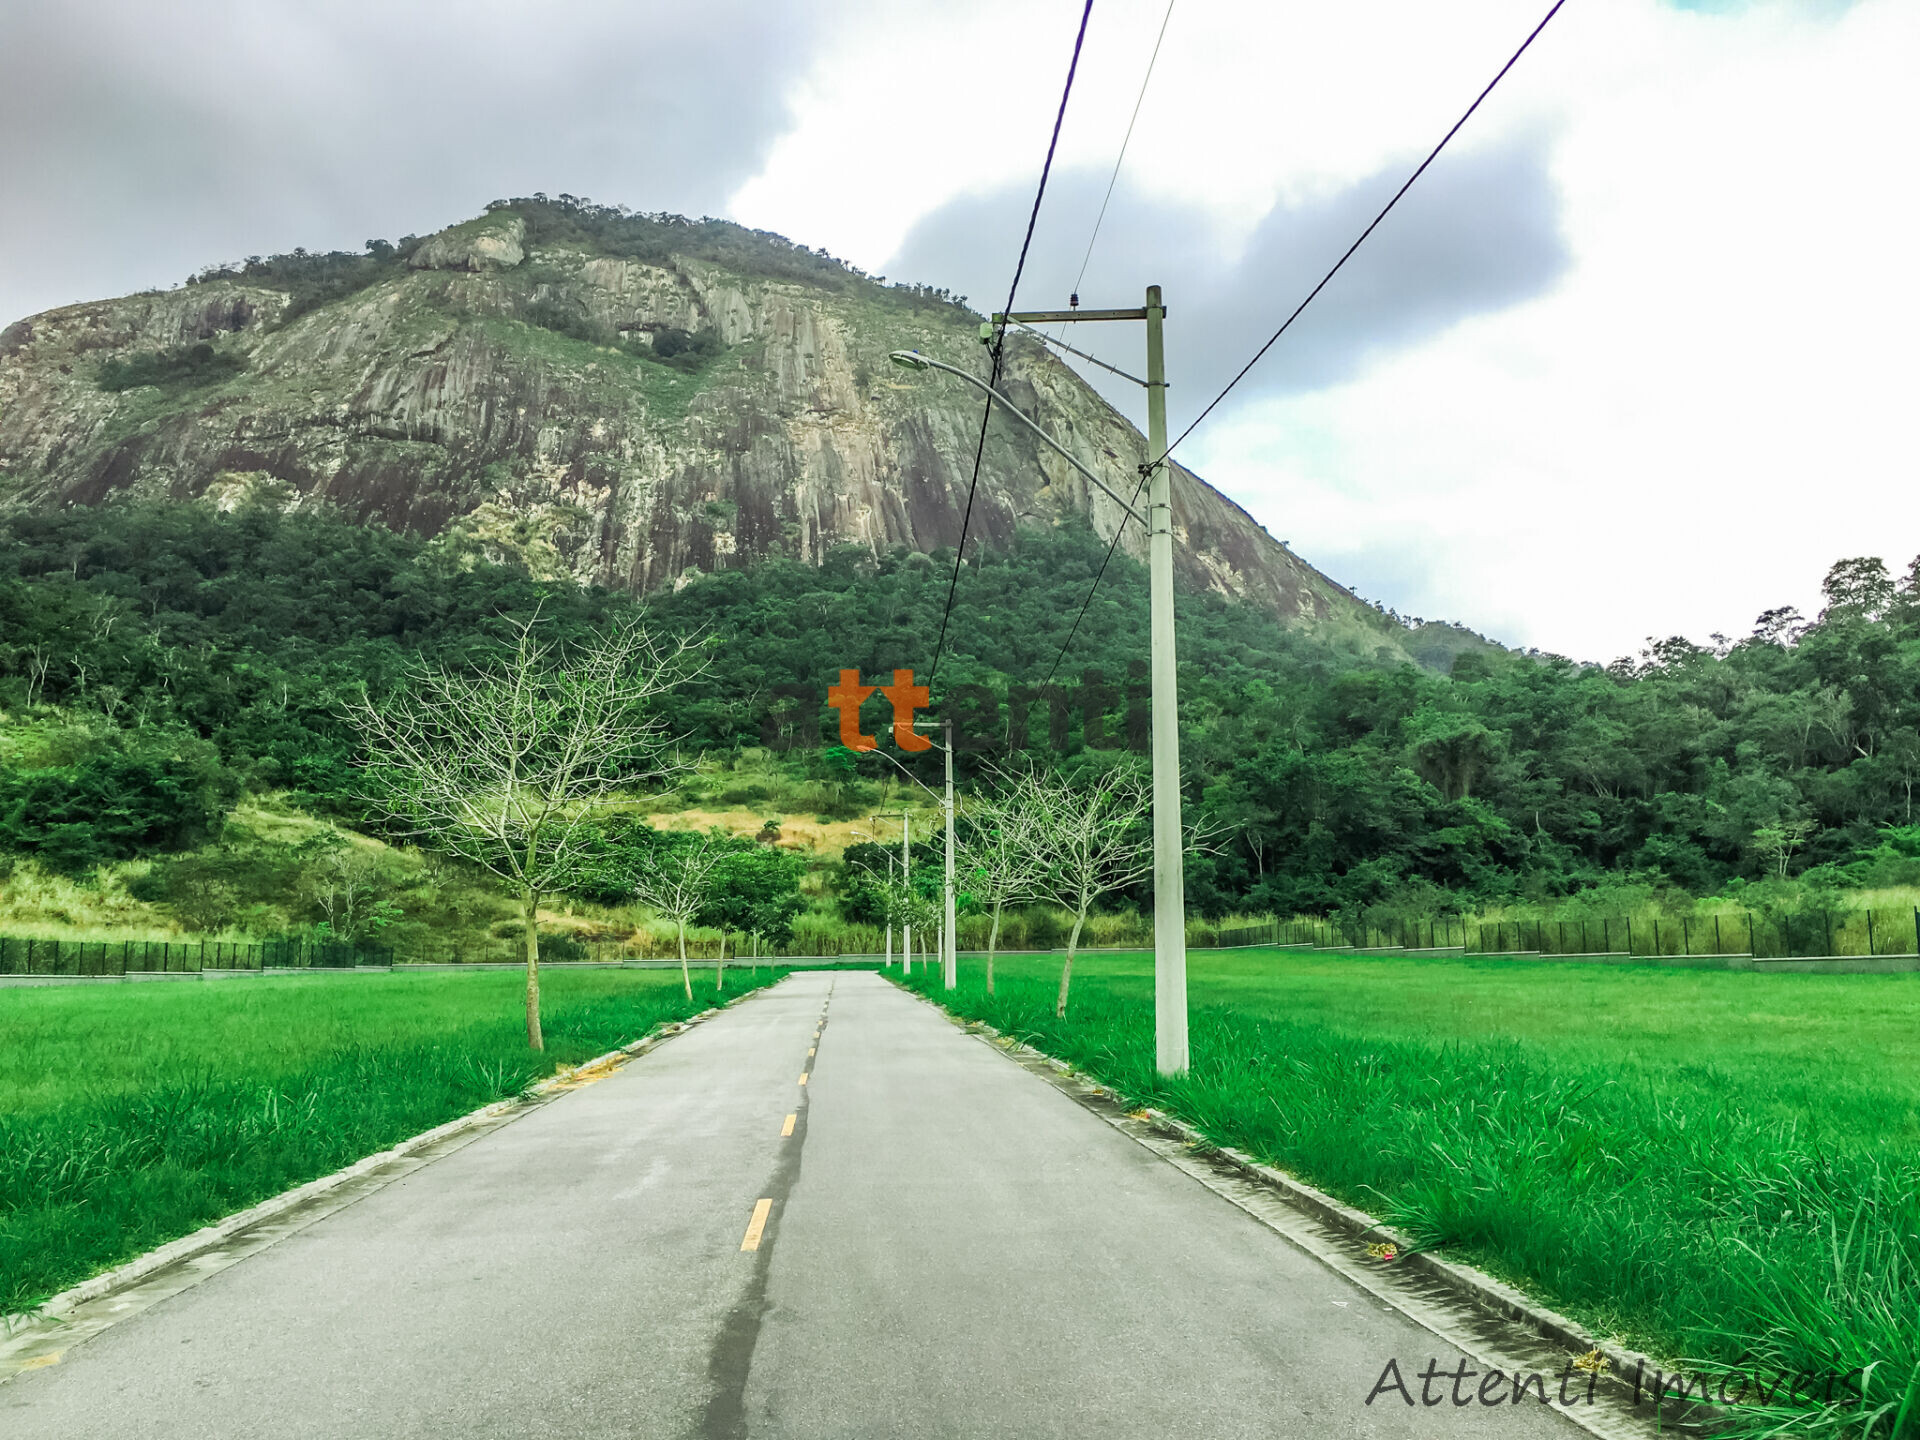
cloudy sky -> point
(1636, 357)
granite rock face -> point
(490, 243)
(514, 397)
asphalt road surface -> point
(943, 1244)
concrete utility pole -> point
(949, 930)
(906, 884)
(1169, 870)
(950, 946)
(874, 820)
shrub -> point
(179, 369)
(114, 804)
(566, 320)
(689, 351)
(557, 945)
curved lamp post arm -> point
(904, 771)
(914, 360)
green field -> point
(133, 1114)
(1714, 1166)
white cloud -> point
(1706, 411)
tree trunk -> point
(1066, 970)
(720, 962)
(530, 900)
(993, 941)
(686, 979)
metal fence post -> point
(1870, 948)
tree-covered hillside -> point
(161, 659)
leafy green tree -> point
(756, 892)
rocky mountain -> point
(625, 398)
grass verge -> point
(1649, 1152)
(132, 1114)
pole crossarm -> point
(1052, 317)
(913, 359)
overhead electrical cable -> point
(1146, 470)
(1000, 343)
(1126, 140)
(1092, 589)
(1432, 156)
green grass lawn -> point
(1715, 1166)
(133, 1114)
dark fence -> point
(1339, 935)
(28, 955)
(1825, 932)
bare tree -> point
(677, 888)
(1002, 859)
(1775, 843)
(1094, 839)
(506, 765)
(347, 885)
(918, 911)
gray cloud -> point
(1480, 232)
(139, 142)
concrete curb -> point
(213, 1236)
(1468, 1282)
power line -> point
(1085, 260)
(1260, 354)
(1146, 470)
(1124, 142)
(1118, 531)
(1000, 343)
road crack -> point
(730, 1362)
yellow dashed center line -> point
(803, 1079)
(809, 1053)
(40, 1362)
(787, 1129)
(761, 1209)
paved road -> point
(953, 1248)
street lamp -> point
(1169, 880)
(949, 928)
(914, 360)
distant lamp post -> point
(949, 928)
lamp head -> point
(910, 360)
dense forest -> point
(157, 661)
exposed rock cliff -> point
(630, 416)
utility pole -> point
(950, 946)
(874, 820)
(906, 886)
(1169, 877)
(1169, 870)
